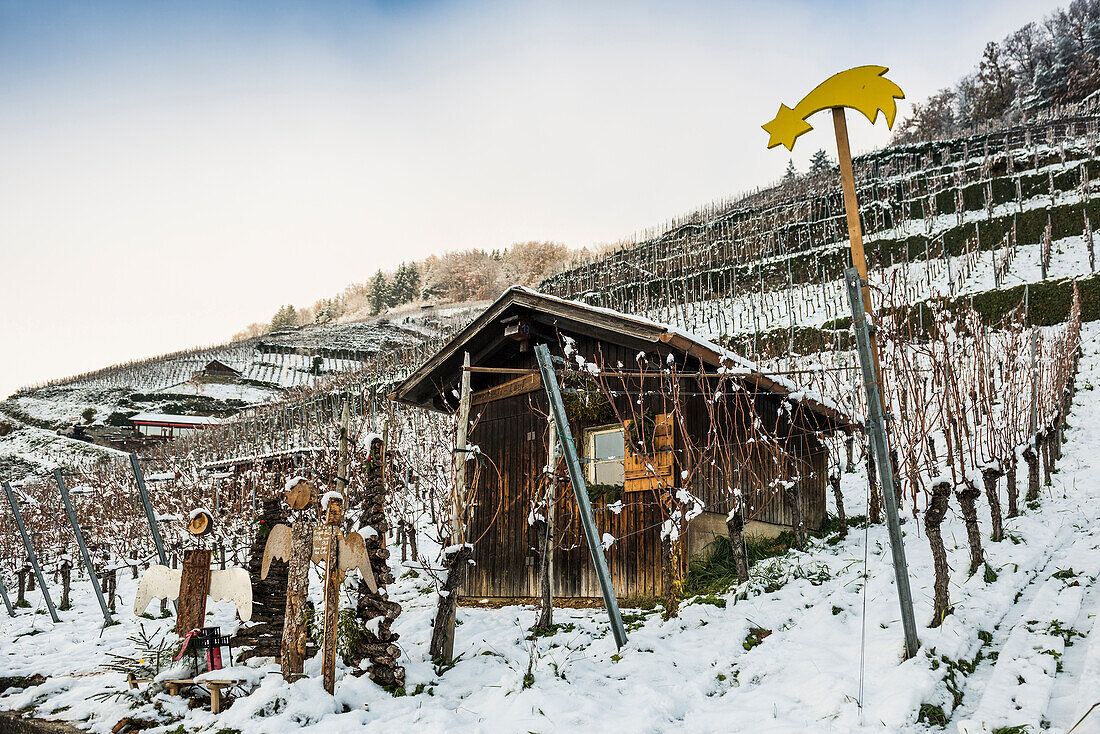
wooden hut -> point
(662, 377)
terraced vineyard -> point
(951, 218)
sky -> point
(171, 172)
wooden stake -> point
(546, 568)
(458, 500)
(458, 511)
(333, 578)
(855, 229)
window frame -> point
(590, 461)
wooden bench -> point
(213, 686)
(133, 682)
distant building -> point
(163, 425)
(217, 368)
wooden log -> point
(295, 629)
(194, 588)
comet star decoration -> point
(863, 88)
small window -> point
(604, 455)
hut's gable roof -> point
(483, 335)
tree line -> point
(458, 276)
(1043, 65)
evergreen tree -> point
(405, 286)
(285, 317)
(412, 276)
(396, 292)
(401, 288)
(790, 174)
(1044, 86)
(820, 163)
(327, 311)
(378, 293)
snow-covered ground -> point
(41, 451)
(251, 394)
(1019, 648)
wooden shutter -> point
(653, 470)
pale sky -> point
(172, 171)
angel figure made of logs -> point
(195, 581)
(322, 543)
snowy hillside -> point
(806, 645)
(297, 358)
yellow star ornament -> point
(863, 88)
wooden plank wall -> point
(511, 433)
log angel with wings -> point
(194, 582)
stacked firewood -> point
(263, 636)
(380, 647)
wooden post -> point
(194, 588)
(546, 568)
(855, 230)
(458, 514)
(21, 587)
(342, 454)
(295, 629)
(66, 584)
(333, 578)
(30, 551)
(458, 500)
(215, 697)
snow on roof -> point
(183, 420)
(732, 363)
(727, 361)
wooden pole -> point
(546, 569)
(334, 577)
(875, 385)
(458, 508)
(855, 229)
(342, 454)
(458, 500)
